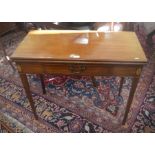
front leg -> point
(28, 93)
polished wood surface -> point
(81, 45)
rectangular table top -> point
(80, 45)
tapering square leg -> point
(93, 81)
(121, 85)
(42, 83)
(28, 93)
(131, 95)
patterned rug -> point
(72, 104)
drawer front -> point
(80, 69)
(65, 69)
(30, 68)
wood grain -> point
(80, 45)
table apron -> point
(80, 69)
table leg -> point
(131, 95)
(94, 81)
(42, 83)
(28, 93)
(121, 85)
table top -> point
(80, 45)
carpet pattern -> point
(13, 124)
(72, 104)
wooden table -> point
(89, 53)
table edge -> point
(19, 60)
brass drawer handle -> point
(77, 69)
